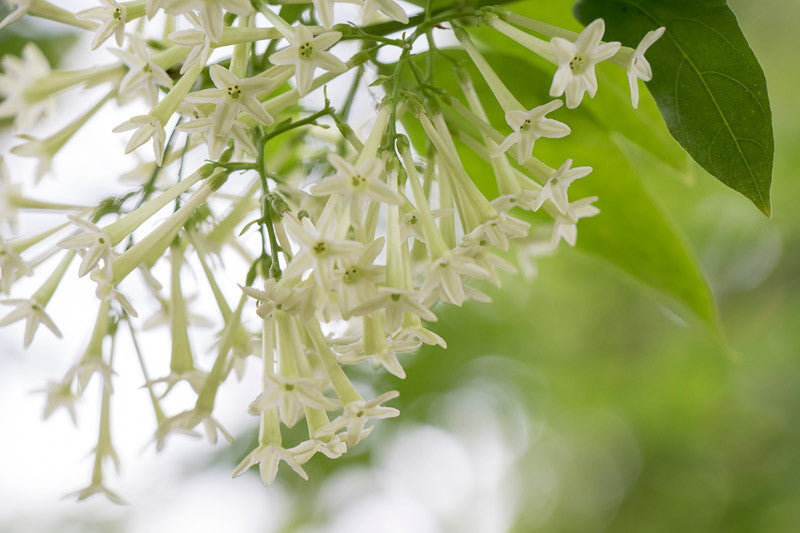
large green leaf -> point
(707, 83)
(631, 231)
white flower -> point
(33, 313)
(306, 53)
(210, 12)
(232, 96)
(639, 67)
(494, 232)
(356, 280)
(383, 352)
(20, 75)
(143, 73)
(198, 39)
(319, 247)
(59, 394)
(356, 415)
(566, 225)
(529, 126)
(443, 278)
(359, 183)
(332, 448)
(290, 395)
(9, 194)
(97, 487)
(268, 456)
(396, 303)
(390, 8)
(217, 142)
(576, 61)
(107, 291)
(147, 127)
(84, 369)
(94, 244)
(12, 266)
(294, 300)
(112, 19)
(188, 420)
(555, 189)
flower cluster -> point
(359, 237)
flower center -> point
(351, 274)
(526, 125)
(234, 92)
(306, 50)
(117, 14)
(147, 69)
(358, 180)
(320, 249)
(395, 297)
(577, 65)
(289, 387)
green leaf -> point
(631, 232)
(707, 83)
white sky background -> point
(425, 480)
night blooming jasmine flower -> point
(356, 415)
(319, 246)
(268, 456)
(638, 67)
(209, 12)
(111, 16)
(555, 189)
(576, 62)
(198, 40)
(32, 311)
(529, 126)
(290, 395)
(12, 266)
(146, 127)
(359, 183)
(144, 75)
(306, 53)
(19, 77)
(566, 225)
(232, 96)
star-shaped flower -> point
(319, 246)
(147, 127)
(529, 126)
(566, 226)
(143, 75)
(356, 415)
(639, 67)
(290, 395)
(33, 313)
(555, 189)
(232, 96)
(359, 183)
(111, 16)
(12, 266)
(576, 61)
(267, 457)
(306, 53)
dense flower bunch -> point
(356, 247)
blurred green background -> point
(598, 408)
